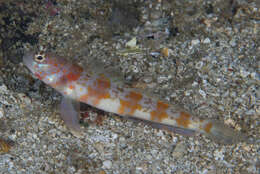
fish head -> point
(45, 66)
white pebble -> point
(162, 79)
(107, 164)
(219, 155)
(25, 99)
(232, 42)
(114, 136)
(244, 73)
(3, 89)
(202, 93)
(206, 41)
(2, 113)
(254, 75)
(199, 65)
(131, 43)
(195, 84)
(195, 42)
(187, 93)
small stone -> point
(202, 93)
(255, 76)
(71, 169)
(173, 95)
(155, 54)
(206, 41)
(24, 99)
(131, 43)
(195, 42)
(159, 133)
(250, 112)
(149, 157)
(219, 155)
(199, 65)
(230, 122)
(232, 42)
(162, 79)
(244, 73)
(102, 172)
(3, 89)
(179, 150)
(99, 147)
(107, 164)
(121, 139)
(148, 79)
(134, 68)
(142, 168)
(195, 84)
(2, 112)
(187, 93)
(165, 52)
(114, 136)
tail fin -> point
(221, 133)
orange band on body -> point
(160, 113)
(183, 120)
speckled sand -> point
(202, 55)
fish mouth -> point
(28, 60)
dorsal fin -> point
(98, 68)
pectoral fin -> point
(70, 115)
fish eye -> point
(39, 57)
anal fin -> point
(170, 128)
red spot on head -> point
(39, 75)
(72, 76)
(74, 73)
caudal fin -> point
(221, 133)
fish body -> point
(98, 90)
